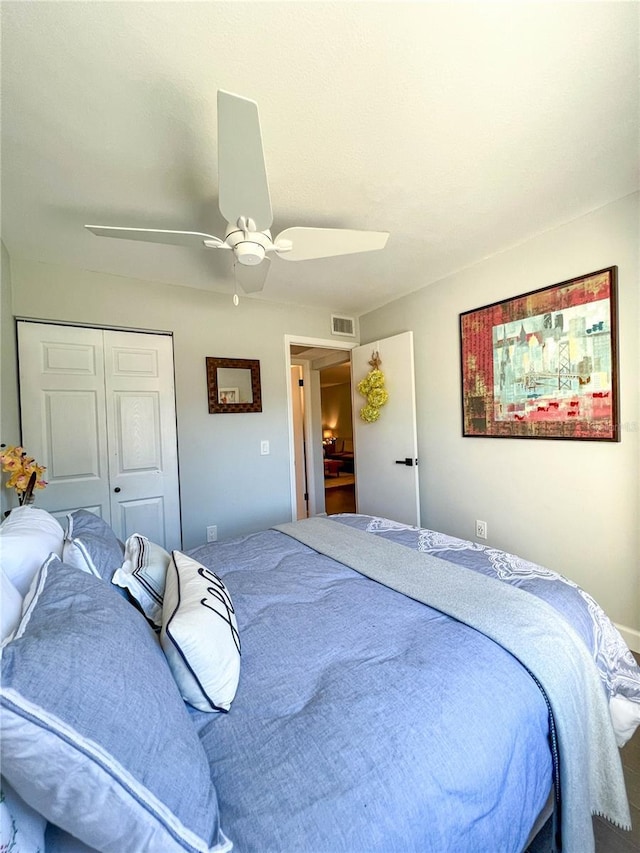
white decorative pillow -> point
(27, 536)
(143, 575)
(200, 635)
(10, 607)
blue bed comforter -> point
(366, 721)
(618, 669)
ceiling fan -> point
(244, 201)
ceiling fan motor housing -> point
(249, 247)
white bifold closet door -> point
(98, 409)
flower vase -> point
(26, 498)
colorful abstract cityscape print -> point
(543, 365)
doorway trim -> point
(310, 413)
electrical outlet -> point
(212, 533)
(481, 530)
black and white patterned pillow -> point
(143, 575)
(200, 634)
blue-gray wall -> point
(573, 506)
(224, 479)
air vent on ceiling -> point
(343, 326)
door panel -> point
(98, 409)
(64, 416)
(146, 514)
(143, 447)
(79, 459)
(384, 487)
(138, 432)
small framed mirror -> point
(233, 385)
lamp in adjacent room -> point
(327, 436)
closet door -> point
(141, 425)
(63, 413)
(98, 409)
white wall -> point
(573, 506)
(224, 479)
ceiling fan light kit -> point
(244, 201)
(249, 246)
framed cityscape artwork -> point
(544, 364)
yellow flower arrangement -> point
(372, 387)
(25, 473)
(369, 414)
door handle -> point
(406, 461)
(117, 489)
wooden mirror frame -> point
(252, 364)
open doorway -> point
(337, 438)
(320, 428)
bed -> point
(274, 693)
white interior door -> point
(98, 409)
(141, 426)
(62, 406)
(386, 451)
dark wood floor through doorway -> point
(340, 499)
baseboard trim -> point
(631, 637)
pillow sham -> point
(27, 536)
(143, 575)
(91, 545)
(200, 634)
(98, 742)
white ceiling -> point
(462, 129)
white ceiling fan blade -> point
(242, 176)
(192, 239)
(308, 243)
(252, 278)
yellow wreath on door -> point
(372, 388)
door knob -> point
(117, 489)
(406, 461)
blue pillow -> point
(95, 735)
(90, 544)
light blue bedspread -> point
(618, 669)
(590, 779)
(366, 721)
